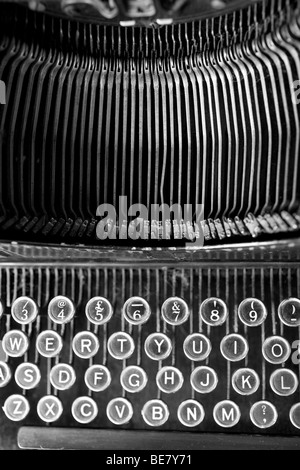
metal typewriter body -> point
(161, 344)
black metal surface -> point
(273, 281)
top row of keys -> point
(136, 310)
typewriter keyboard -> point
(151, 349)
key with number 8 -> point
(213, 311)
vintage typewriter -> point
(149, 332)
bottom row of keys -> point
(155, 412)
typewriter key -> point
(49, 343)
(5, 374)
(16, 407)
(136, 311)
(97, 378)
(119, 411)
(15, 343)
(61, 309)
(84, 410)
(158, 346)
(284, 382)
(190, 413)
(252, 312)
(155, 413)
(62, 376)
(213, 312)
(27, 375)
(276, 350)
(289, 312)
(204, 379)
(85, 344)
(133, 379)
(98, 310)
(295, 415)
(263, 414)
(234, 348)
(226, 414)
(120, 345)
(24, 310)
(245, 381)
(49, 408)
(175, 311)
(169, 379)
(197, 347)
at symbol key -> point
(61, 310)
(289, 312)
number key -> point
(98, 310)
(24, 310)
(61, 309)
(252, 312)
(175, 311)
(136, 311)
(213, 311)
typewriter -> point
(149, 224)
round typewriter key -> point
(276, 350)
(289, 312)
(234, 348)
(24, 310)
(197, 347)
(190, 413)
(226, 414)
(169, 379)
(97, 378)
(295, 415)
(136, 311)
(84, 410)
(5, 374)
(213, 311)
(263, 414)
(16, 407)
(119, 411)
(158, 346)
(175, 311)
(204, 379)
(155, 413)
(49, 343)
(284, 382)
(15, 343)
(61, 309)
(245, 382)
(98, 310)
(62, 376)
(49, 408)
(120, 345)
(27, 375)
(252, 312)
(85, 344)
(133, 379)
